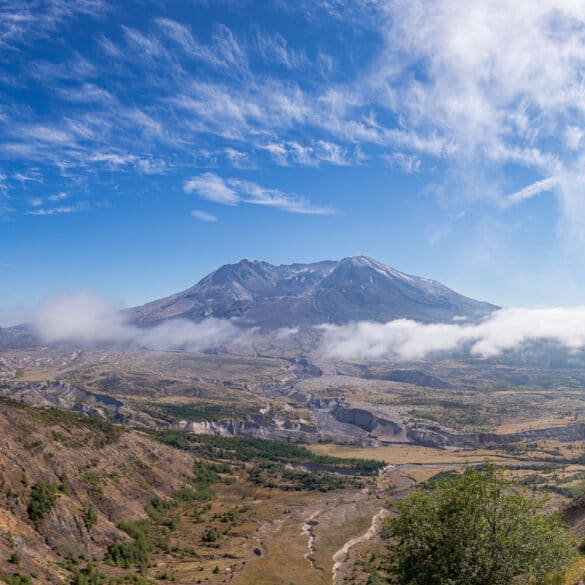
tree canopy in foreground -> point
(474, 528)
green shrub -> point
(90, 517)
(43, 496)
(14, 558)
(18, 580)
(129, 554)
(88, 576)
(211, 535)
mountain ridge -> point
(356, 288)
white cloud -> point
(60, 210)
(182, 35)
(274, 49)
(23, 22)
(190, 336)
(507, 329)
(532, 190)
(492, 68)
(34, 177)
(213, 188)
(477, 83)
(408, 163)
(148, 166)
(499, 82)
(145, 46)
(82, 317)
(258, 195)
(203, 215)
(237, 158)
(286, 153)
(573, 137)
(233, 191)
(285, 333)
(112, 158)
(223, 52)
(90, 319)
(46, 134)
(88, 92)
(58, 196)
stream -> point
(341, 555)
(309, 531)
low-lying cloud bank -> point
(89, 319)
(507, 329)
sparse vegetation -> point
(199, 521)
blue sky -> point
(143, 144)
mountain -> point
(17, 337)
(303, 295)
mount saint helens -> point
(304, 295)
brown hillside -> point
(94, 464)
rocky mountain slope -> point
(304, 295)
(96, 475)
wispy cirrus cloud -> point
(203, 215)
(474, 88)
(23, 21)
(233, 191)
(274, 48)
(258, 195)
(37, 202)
(536, 188)
(59, 210)
(290, 153)
(224, 51)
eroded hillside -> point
(83, 499)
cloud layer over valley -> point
(89, 319)
(507, 329)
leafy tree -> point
(475, 529)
